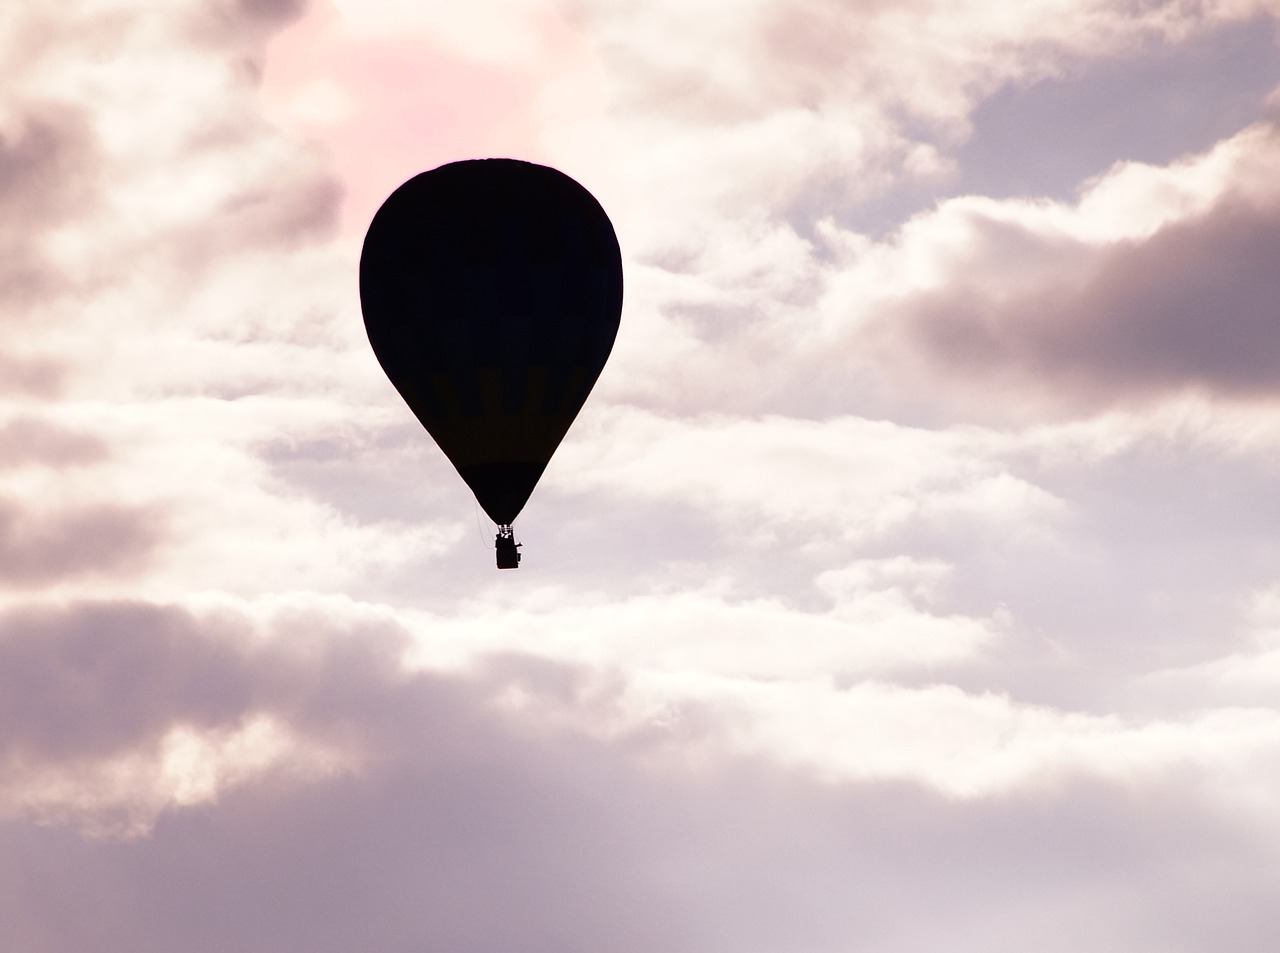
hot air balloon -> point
(491, 292)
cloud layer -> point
(909, 580)
(1050, 300)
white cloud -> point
(850, 478)
(970, 745)
(708, 636)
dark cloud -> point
(245, 24)
(48, 172)
(469, 828)
(31, 377)
(93, 679)
(99, 678)
(92, 539)
(278, 11)
(28, 440)
(1192, 307)
(43, 165)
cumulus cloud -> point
(445, 814)
(116, 711)
(1055, 305)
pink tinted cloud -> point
(469, 828)
(1189, 308)
(387, 108)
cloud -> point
(858, 478)
(114, 711)
(274, 11)
(816, 108)
(95, 679)
(1026, 306)
(463, 821)
(47, 172)
(167, 257)
(684, 641)
(61, 545)
(790, 661)
(406, 861)
(878, 80)
(122, 192)
(28, 440)
(40, 377)
(811, 103)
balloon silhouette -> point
(491, 292)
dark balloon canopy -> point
(491, 292)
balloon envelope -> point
(491, 292)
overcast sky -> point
(910, 581)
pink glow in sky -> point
(387, 107)
(910, 581)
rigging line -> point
(480, 529)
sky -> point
(909, 582)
